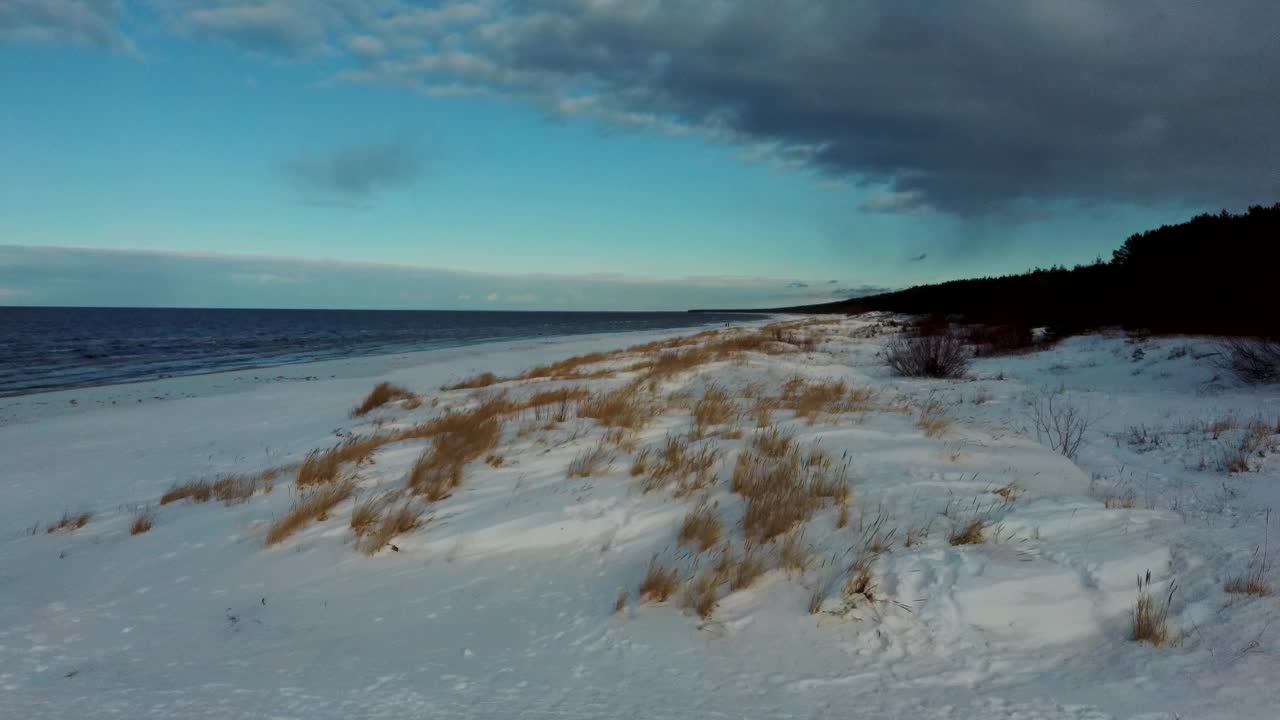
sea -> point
(45, 348)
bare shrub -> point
(933, 356)
(1252, 360)
(1151, 615)
(1060, 424)
(143, 520)
(381, 394)
(701, 527)
(310, 507)
(591, 462)
(659, 583)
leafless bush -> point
(1252, 360)
(934, 356)
(1060, 424)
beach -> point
(518, 590)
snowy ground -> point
(502, 605)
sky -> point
(608, 154)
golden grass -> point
(659, 583)
(783, 492)
(591, 462)
(439, 470)
(365, 515)
(640, 463)
(321, 467)
(792, 554)
(690, 468)
(859, 586)
(747, 568)
(701, 527)
(405, 518)
(69, 522)
(475, 382)
(310, 507)
(715, 407)
(1151, 615)
(381, 394)
(1253, 582)
(196, 491)
(621, 408)
(143, 520)
(701, 595)
(933, 418)
(971, 533)
(773, 442)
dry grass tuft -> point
(69, 522)
(196, 491)
(621, 408)
(327, 466)
(859, 586)
(475, 382)
(1151, 616)
(701, 527)
(659, 583)
(620, 604)
(1011, 491)
(791, 553)
(310, 507)
(365, 515)
(715, 407)
(773, 443)
(933, 418)
(403, 519)
(457, 439)
(235, 489)
(747, 569)
(1253, 582)
(690, 468)
(783, 492)
(701, 595)
(762, 411)
(973, 532)
(592, 462)
(381, 394)
(143, 520)
(640, 463)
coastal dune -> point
(760, 520)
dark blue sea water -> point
(54, 348)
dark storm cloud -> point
(357, 170)
(965, 107)
(918, 258)
(796, 285)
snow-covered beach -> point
(502, 604)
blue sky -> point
(270, 152)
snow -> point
(502, 604)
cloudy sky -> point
(619, 154)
